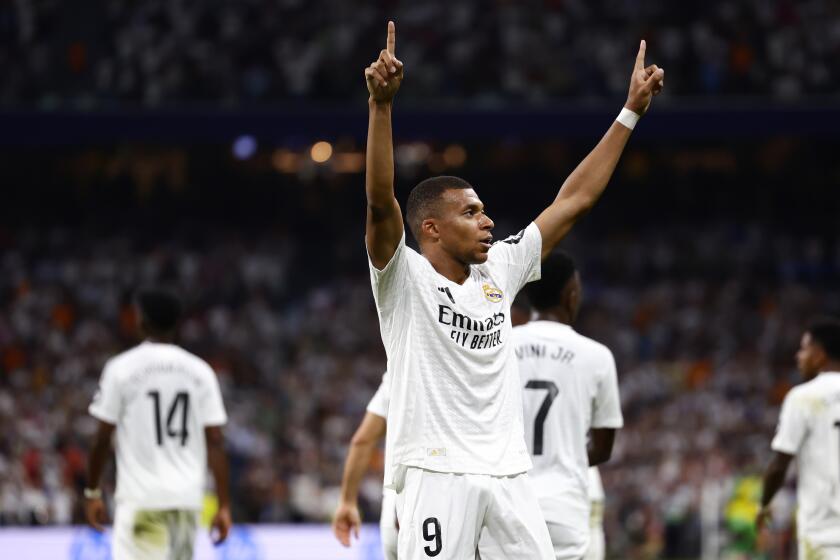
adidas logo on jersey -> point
(448, 293)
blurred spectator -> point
(88, 54)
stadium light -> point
(454, 155)
(244, 147)
(321, 151)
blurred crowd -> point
(119, 53)
(701, 266)
(703, 323)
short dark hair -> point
(825, 331)
(160, 309)
(557, 269)
(423, 199)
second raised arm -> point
(587, 182)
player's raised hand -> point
(95, 513)
(346, 521)
(385, 74)
(645, 82)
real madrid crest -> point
(493, 294)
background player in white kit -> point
(809, 429)
(455, 449)
(167, 409)
(570, 390)
(346, 521)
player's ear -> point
(429, 229)
(820, 357)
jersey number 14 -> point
(173, 418)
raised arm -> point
(384, 227)
(347, 519)
(587, 182)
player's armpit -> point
(383, 232)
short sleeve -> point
(212, 406)
(521, 255)
(389, 283)
(792, 428)
(107, 402)
(378, 405)
(607, 406)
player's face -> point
(810, 357)
(463, 227)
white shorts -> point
(450, 516)
(388, 525)
(154, 534)
(597, 543)
(811, 551)
(570, 543)
(569, 521)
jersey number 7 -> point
(539, 421)
(182, 401)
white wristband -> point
(628, 118)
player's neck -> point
(831, 366)
(556, 315)
(448, 267)
(159, 339)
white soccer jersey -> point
(378, 404)
(454, 379)
(594, 486)
(160, 397)
(570, 385)
(809, 428)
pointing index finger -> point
(392, 38)
(640, 58)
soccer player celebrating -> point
(455, 450)
(809, 429)
(167, 409)
(347, 520)
(571, 390)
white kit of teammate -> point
(570, 386)
(597, 549)
(161, 398)
(809, 431)
(809, 428)
(378, 405)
